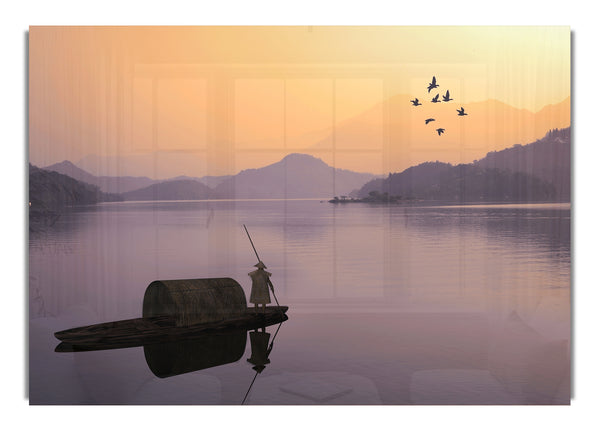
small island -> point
(373, 197)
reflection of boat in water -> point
(207, 351)
(174, 310)
(184, 354)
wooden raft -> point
(159, 329)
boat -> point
(174, 310)
(159, 329)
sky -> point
(213, 100)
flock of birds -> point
(445, 98)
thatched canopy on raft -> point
(194, 301)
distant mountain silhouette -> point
(68, 168)
(211, 181)
(462, 183)
(548, 159)
(295, 176)
(164, 165)
(540, 171)
(170, 190)
(492, 126)
(106, 184)
(123, 184)
(49, 190)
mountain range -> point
(392, 134)
(464, 183)
(295, 176)
(398, 129)
(105, 183)
(170, 190)
(49, 190)
(118, 184)
(539, 171)
(548, 159)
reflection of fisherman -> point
(260, 286)
(259, 342)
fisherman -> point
(259, 342)
(260, 286)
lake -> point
(401, 304)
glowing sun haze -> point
(168, 101)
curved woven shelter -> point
(194, 301)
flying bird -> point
(440, 131)
(436, 98)
(432, 85)
(429, 120)
(447, 96)
(416, 102)
(461, 112)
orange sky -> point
(166, 101)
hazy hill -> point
(67, 168)
(52, 190)
(123, 184)
(409, 182)
(462, 183)
(295, 176)
(544, 166)
(106, 184)
(211, 181)
(548, 159)
(163, 164)
(391, 135)
(489, 126)
(170, 190)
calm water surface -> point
(388, 305)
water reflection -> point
(261, 349)
(544, 225)
(425, 290)
(186, 356)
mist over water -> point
(388, 304)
